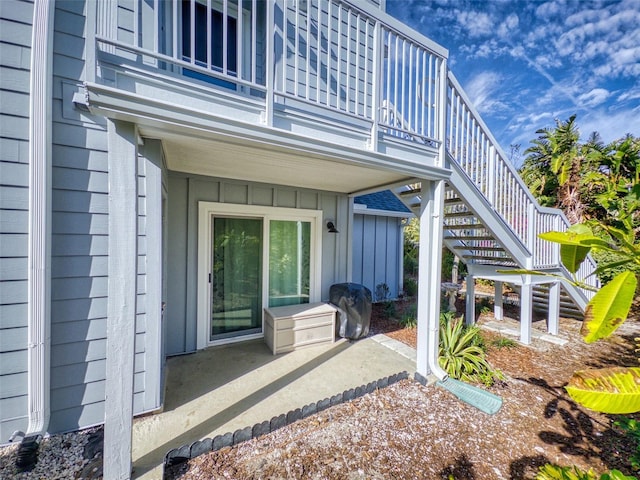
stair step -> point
(459, 214)
(411, 192)
(466, 238)
(475, 248)
(488, 258)
(452, 201)
(463, 226)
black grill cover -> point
(354, 309)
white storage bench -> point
(292, 326)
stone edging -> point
(182, 454)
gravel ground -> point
(76, 455)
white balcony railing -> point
(348, 58)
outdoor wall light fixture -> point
(332, 228)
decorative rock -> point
(323, 404)
(200, 447)
(242, 435)
(278, 422)
(308, 410)
(92, 470)
(260, 429)
(293, 416)
(336, 399)
(95, 444)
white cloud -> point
(594, 98)
(484, 90)
(508, 25)
(478, 24)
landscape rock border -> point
(182, 454)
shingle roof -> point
(384, 200)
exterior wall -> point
(184, 194)
(15, 40)
(377, 245)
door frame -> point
(206, 212)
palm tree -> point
(557, 158)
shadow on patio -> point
(221, 389)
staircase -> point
(491, 220)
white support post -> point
(270, 64)
(121, 303)
(498, 311)
(554, 308)
(429, 268)
(378, 61)
(470, 315)
(526, 312)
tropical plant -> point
(554, 472)
(631, 427)
(616, 389)
(462, 352)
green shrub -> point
(410, 287)
(462, 352)
(504, 342)
(631, 428)
(389, 309)
(409, 317)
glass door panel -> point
(289, 262)
(236, 279)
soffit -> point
(270, 164)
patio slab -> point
(225, 388)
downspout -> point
(39, 243)
(39, 336)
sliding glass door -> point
(252, 258)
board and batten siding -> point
(185, 191)
(16, 19)
(377, 244)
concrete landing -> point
(221, 389)
(511, 329)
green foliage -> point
(410, 287)
(382, 292)
(389, 309)
(504, 342)
(631, 427)
(409, 317)
(462, 352)
(411, 243)
(607, 390)
(554, 472)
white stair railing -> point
(474, 148)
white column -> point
(470, 316)
(429, 268)
(526, 312)
(498, 311)
(121, 303)
(554, 308)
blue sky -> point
(525, 63)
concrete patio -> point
(221, 389)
